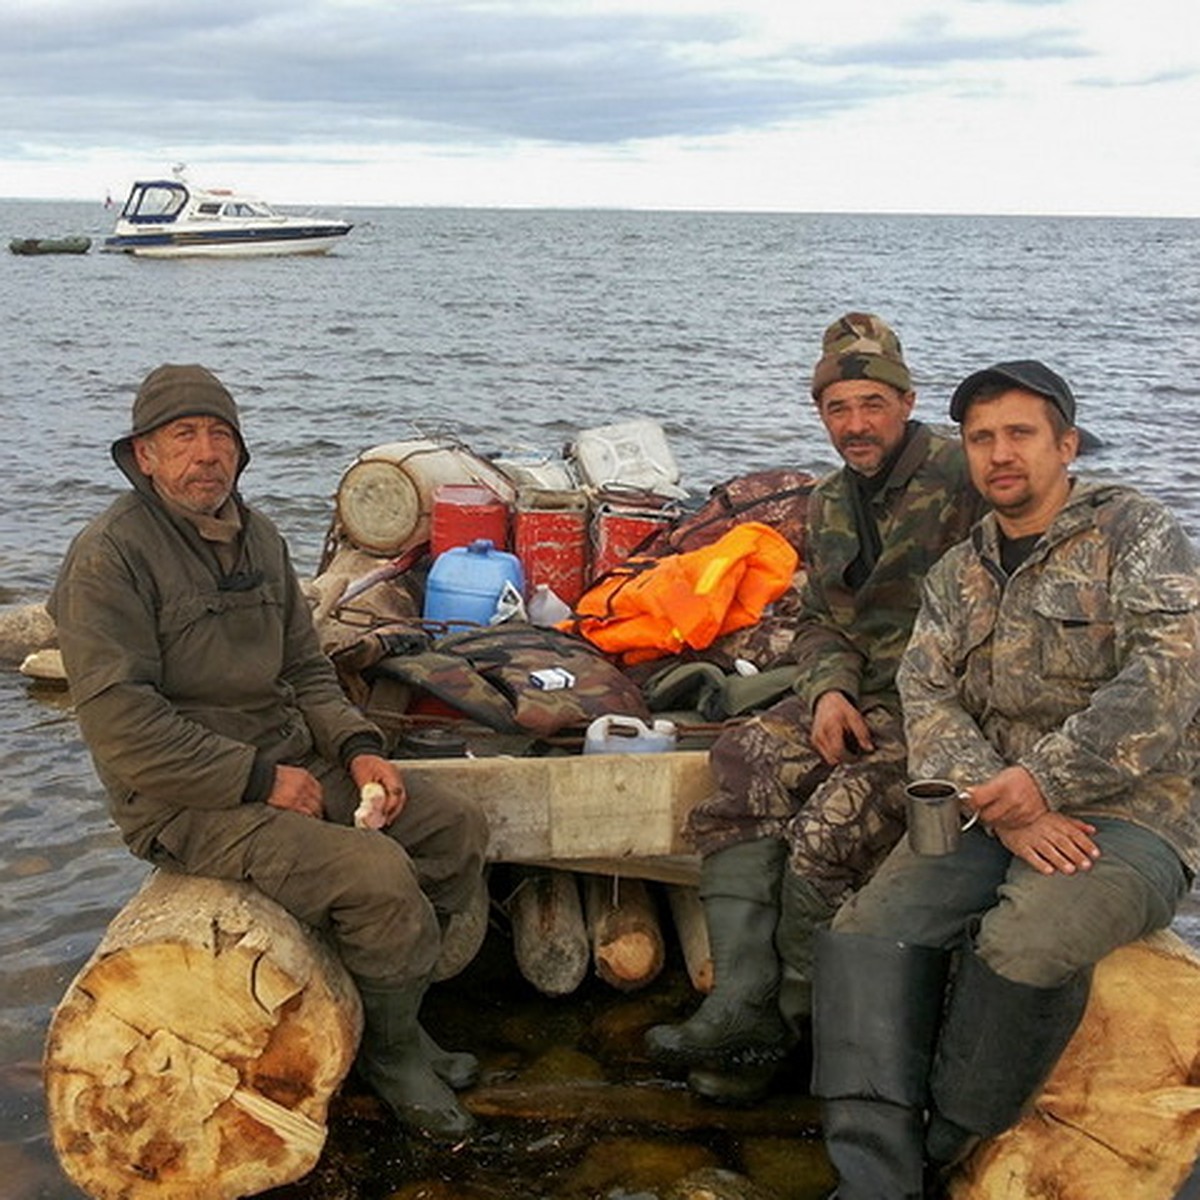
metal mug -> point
(935, 817)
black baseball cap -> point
(1025, 373)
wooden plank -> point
(574, 807)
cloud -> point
(434, 72)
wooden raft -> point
(196, 1052)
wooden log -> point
(692, 931)
(1119, 1118)
(196, 1052)
(25, 628)
(550, 939)
(627, 942)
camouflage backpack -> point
(776, 496)
(516, 677)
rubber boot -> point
(738, 1023)
(998, 1044)
(803, 910)
(393, 1060)
(876, 1008)
(456, 1068)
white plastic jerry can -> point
(617, 734)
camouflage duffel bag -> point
(517, 678)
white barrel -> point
(385, 499)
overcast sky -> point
(979, 106)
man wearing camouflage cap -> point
(810, 793)
(226, 745)
(1053, 675)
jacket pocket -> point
(1076, 636)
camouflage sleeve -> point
(944, 741)
(1140, 715)
(826, 659)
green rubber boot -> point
(803, 910)
(738, 1023)
(876, 1009)
(394, 1060)
(998, 1044)
(455, 1068)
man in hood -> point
(226, 745)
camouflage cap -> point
(860, 346)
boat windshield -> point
(150, 202)
(247, 208)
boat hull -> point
(226, 244)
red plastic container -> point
(617, 532)
(465, 512)
(550, 539)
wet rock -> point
(717, 1183)
(635, 1164)
(562, 1064)
(791, 1168)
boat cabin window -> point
(155, 202)
(208, 209)
(244, 208)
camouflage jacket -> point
(850, 640)
(1083, 666)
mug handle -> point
(964, 797)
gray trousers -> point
(1030, 928)
(380, 896)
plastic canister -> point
(617, 734)
(630, 453)
(465, 583)
(465, 512)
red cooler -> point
(551, 540)
(465, 512)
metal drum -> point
(385, 500)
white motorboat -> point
(172, 218)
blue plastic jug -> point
(465, 583)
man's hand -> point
(298, 790)
(370, 768)
(838, 729)
(1052, 842)
(1010, 799)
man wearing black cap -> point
(225, 744)
(1053, 675)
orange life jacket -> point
(648, 608)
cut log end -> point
(197, 1051)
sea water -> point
(512, 330)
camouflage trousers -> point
(839, 822)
